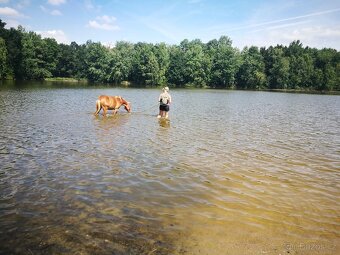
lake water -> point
(232, 172)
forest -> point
(25, 55)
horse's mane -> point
(123, 100)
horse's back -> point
(109, 101)
(105, 98)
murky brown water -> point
(232, 173)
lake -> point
(232, 172)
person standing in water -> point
(164, 103)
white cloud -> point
(255, 24)
(313, 36)
(106, 19)
(103, 26)
(104, 22)
(276, 27)
(23, 3)
(308, 33)
(318, 36)
(269, 27)
(12, 23)
(56, 2)
(92, 7)
(55, 13)
(7, 11)
(51, 12)
(59, 35)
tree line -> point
(24, 55)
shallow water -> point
(232, 172)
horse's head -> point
(127, 106)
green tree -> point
(3, 51)
(277, 67)
(327, 61)
(145, 68)
(34, 65)
(176, 70)
(225, 61)
(162, 54)
(195, 63)
(3, 30)
(318, 78)
(301, 66)
(13, 40)
(301, 69)
(97, 61)
(3, 58)
(50, 54)
(330, 78)
(337, 81)
(66, 62)
(121, 62)
(70, 62)
(79, 53)
(251, 74)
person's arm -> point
(169, 99)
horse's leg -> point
(104, 110)
(98, 107)
(114, 112)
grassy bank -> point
(333, 92)
(66, 79)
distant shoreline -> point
(299, 91)
(125, 84)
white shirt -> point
(165, 95)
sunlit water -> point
(233, 172)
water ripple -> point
(251, 167)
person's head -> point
(166, 89)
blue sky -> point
(259, 22)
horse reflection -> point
(111, 123)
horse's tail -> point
(98, 107)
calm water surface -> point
(233, 172)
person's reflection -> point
(164, 122)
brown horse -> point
(111, 103)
